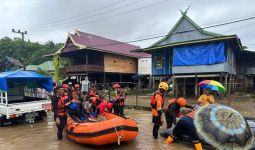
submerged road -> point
(42, 136)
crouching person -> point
(173, 110)
(185, 126)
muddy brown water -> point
(42, 136)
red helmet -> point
(65, 86)
(76, 86)
(116, 85)
(109, 105)
(181, 102)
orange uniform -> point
(157, 102)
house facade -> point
(188, 54)
(101, 59)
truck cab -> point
(24, 95)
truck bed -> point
(20, 108)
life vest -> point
(61, 105)
(173, 107)
(170, 103)
(120, 97)
(101, 107)
(154, 102)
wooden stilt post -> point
(196, 87)
(230, 84)
(104, 80)
(245, 89)
(150, 83)
(176, 88)
(221, 83)
(184, 87)
(173, 82)
(235, 84)
(226, 84)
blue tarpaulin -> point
(28, 78)
(203, 54)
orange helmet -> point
(76, 86)
(65, 86)
(93, 100)
(116, 85)
(181, 101)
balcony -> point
(81, 69)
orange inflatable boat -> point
(113, 129)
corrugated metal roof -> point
(94, 42)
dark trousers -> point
(155, 130)
(185, 126)
(121, 110)
(156, 120)
(169, 119)
(116, 109)
(61, 126)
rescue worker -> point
(60, 114)
(54, 95)
(109, 106)
(119, 100)
(87, 100)
(97, 107)
(206, 98)
(185, 126)
(157, 102)
(76, 94)
(65, 87)
(77, 98)
(173, 110)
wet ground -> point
(42, 136)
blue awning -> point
(202, 54)
(28, 78)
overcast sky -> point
(123, 20)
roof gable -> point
(185, 30)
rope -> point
(116, 131)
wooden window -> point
(159, 62)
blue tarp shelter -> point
(27, 78)
(203, 54)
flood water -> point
(42, 136)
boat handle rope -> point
(115, 128)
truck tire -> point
(4, 121)
(41, 116)
(1, 121)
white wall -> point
(144, 66)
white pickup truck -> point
(20, 103)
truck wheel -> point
(4, 121)
(42, 115)
(1, 121)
